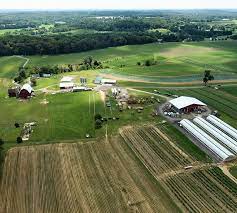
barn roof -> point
(184, 101)
(27, 87)
(66, 84)
(66, 79)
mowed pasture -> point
(9, 66)
(93, 177)
(65, 117)
(204, 188)
(187, 61)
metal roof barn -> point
(184, 101)
(212, 145)
(66, 79)
(218, 134)
(223, 126)
(66, 85)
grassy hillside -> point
(186, 60)
(9, 66)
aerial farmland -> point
(145, 126)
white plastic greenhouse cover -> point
(222, 125)
(207, 141)
(228, 141)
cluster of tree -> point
(86, 64)
(55, 44)
(21, 75)
(207, 77)
(148, 62)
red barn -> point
(26, 91)
(185, 104)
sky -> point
(118, 4)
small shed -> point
(66, 83)
(26, 91)
(67, 79)
(186, 104)
(13, 92)
(98, 80)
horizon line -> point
(111, 9)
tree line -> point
(56, 44)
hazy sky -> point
(117, 4)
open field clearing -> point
(9, 66)
(187, 61)
(201, 189)
(64, 117)
(92, 177)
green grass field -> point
(65, 117)
(9, 66)
(187, 61)
(11, 31)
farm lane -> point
(149, 93)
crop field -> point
(64, 117)
(207, 190)
(155, 149)
(202, 189)
(185, 61)
(94, 177)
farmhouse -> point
(26, 91)
(185, 104)
(66, 83)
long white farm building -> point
(212, 145)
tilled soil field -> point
(92, 177)
(204, 188)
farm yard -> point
(223, 99)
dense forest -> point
(30, 33)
